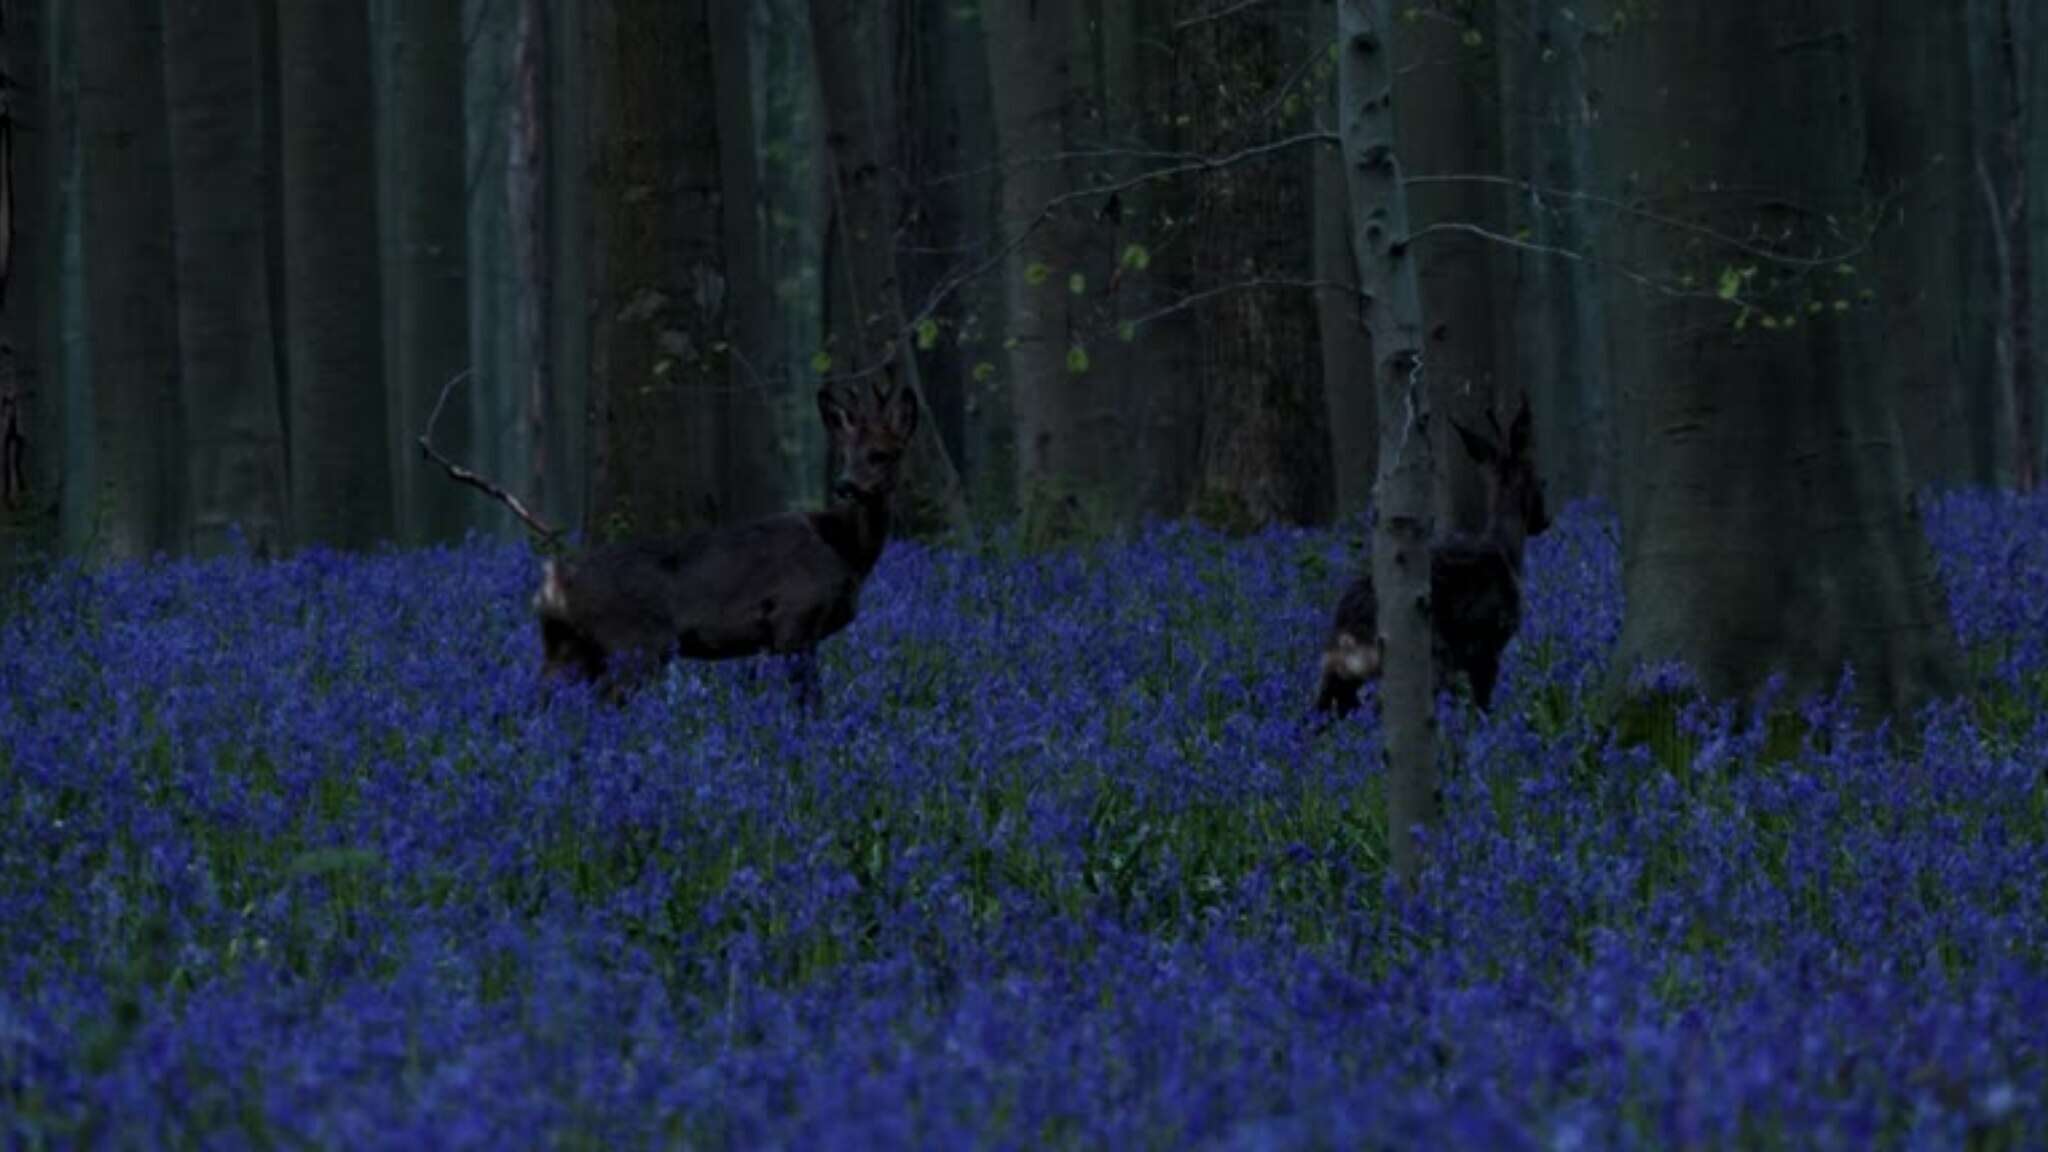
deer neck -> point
(857, 528)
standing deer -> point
(1475, 582)
(617, 613)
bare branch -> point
(1218, 14)
(456, 472)
(1197, 298)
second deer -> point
(617, 613)
(1475, 583)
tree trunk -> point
(750, 474)
(427, 270)
(569, 229)
(1366, 66)
(31, 412)
(1559, 314)
(1450, 128)
(1265, 444)
(235, 472)
(658, 352)
(865, 209)
(1347, 350)
(2031, 32)
(1775, 532)
(340, 450)
(1059, 454)
(130, 281)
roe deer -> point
(1475, 583)
(619, 612)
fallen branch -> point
(456, 472)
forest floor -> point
(292, 854)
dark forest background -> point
(248, 244)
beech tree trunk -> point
(31, 408)
(340, 452)
(130, 282)
(1055, 401)
(658, 345)
(866, 213)
(1366, 67)
(427, 259)
(235, 469)
(1774, 530)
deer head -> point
(1515, 507)
(870, 429)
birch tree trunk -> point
(1386, 272)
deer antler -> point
(456, 472)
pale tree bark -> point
(526, 213)
(750, 473)
(340, 452)
(865, 213)
(1558, 312)
(129, 279)
(659, 285)
(1450, 127)
(1265, 455)
(426, 273)
(234, 465)
(1055, 404)
(1774, 531)
(1366, 67)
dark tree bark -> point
(1346, 346)
(866, 212)
(750, 474)
(427, 271)
(1559, 312)
(1450, 127)
(566, 500)
(340, 454)
(1265, 444)
(129, 280)
(235, 469)
(658, 359)
(1367, 95)
(31, 409)
(1061, 444)
(1774, 530)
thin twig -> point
(456, 472)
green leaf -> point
(1127, 331)
(1036, 273)
(1472, 38)
(1077, 284)
(1137, 257)
(1730, 285)
(1077, 359)
(927, 334)
(983, 370)
(821, 362)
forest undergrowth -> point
(293, 854)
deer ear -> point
(837, 419)
(1476, 446)
(1519, 428)
(902, 412)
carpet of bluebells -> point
(295, 853)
